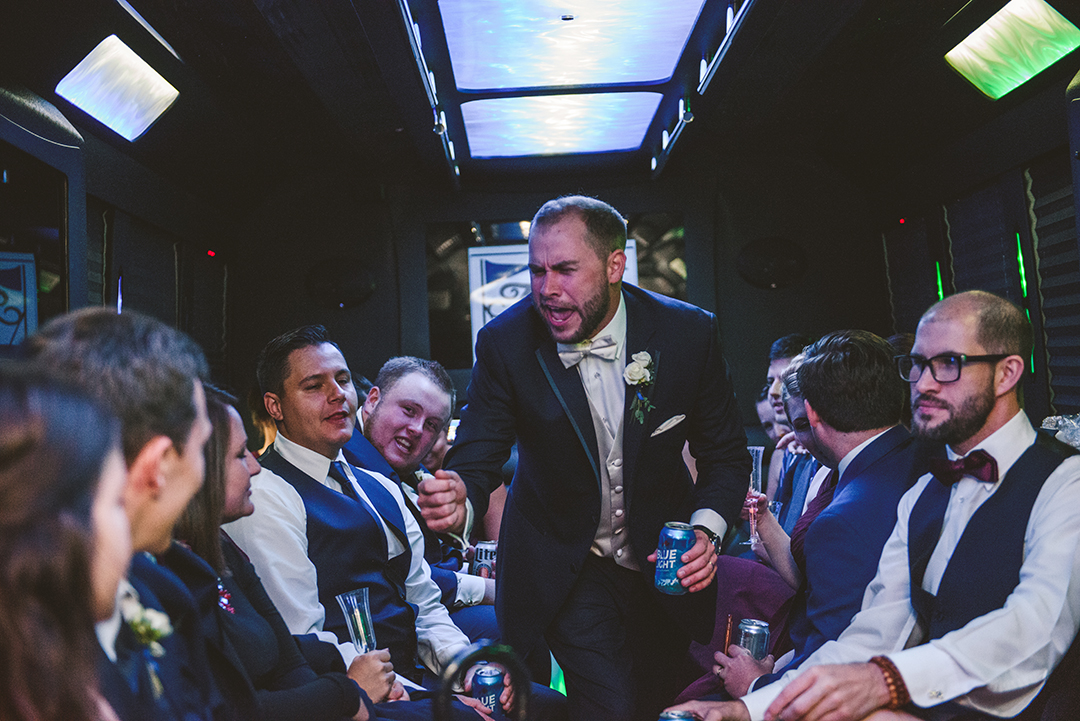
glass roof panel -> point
(501, 45)
(117, 87)
(558, 124)
(1017, 43)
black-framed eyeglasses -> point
(944, 368)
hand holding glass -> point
(756, 454)
(354, 604)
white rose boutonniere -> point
(148, 624)
(639, 373)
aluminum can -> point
(754, 637)
(487, 686)
(484, 556)
(675, 540)
(675, 715)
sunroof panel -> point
(118, 88)
(1017, 43)
(500, 45)
(558, 124)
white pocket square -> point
(668, 424)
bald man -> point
(977, 593)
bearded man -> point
(977, 594)
(601, 384)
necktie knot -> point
(603, 347)
(977, 464)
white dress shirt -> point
(108, 630)
(998, 662)
(275, 539)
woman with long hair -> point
(65, 544)
(286, 687)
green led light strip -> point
(1023, 288)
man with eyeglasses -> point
(977, 595)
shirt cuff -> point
(470, 589)
(757, 702)
(929, 673)
(710, 519)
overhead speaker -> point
(771, 263)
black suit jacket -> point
(520, 390)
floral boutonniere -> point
(639, 373)
(149, 625)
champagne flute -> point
(354, 604)
(757, 453)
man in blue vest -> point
(323, 527)
(403, 415)
(977, 595)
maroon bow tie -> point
(979, 464)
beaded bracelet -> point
(898, 692)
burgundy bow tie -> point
(978, 464)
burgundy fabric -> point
(745, 589)
(815, 507)
(977, 464)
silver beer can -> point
(484, 556)
(754, 637)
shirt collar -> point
(314, 464)
(1006, 444)
(846, 460)
(108, 630)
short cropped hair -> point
(397, 368)
(272, 365)
(138, 367)
(849, 379)
(788, 346)
(605, 227)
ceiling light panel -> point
(500, 45)
(117, 88)
(1017, 43)
(558, 124)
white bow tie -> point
(602, 347)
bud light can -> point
(754, 637)
(675, 715)
(484, 555)
(675, 540)
(487, 686)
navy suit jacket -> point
(197, 665)
(520, 390)
(443, 558)
(843, 544)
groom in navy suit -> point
(601, 384)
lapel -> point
(566, 384)
(640, 329)
(874, 452)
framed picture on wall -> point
(18, 297)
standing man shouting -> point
(601, 384)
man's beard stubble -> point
(962, 423)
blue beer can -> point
(675, 540)
(487, 686)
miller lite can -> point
(487, 686)
(754, 637)
(484, 556)
(675, 540)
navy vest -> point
(985, 566)
(348, 548)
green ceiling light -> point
(1017, 43)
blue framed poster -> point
(18, 297)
